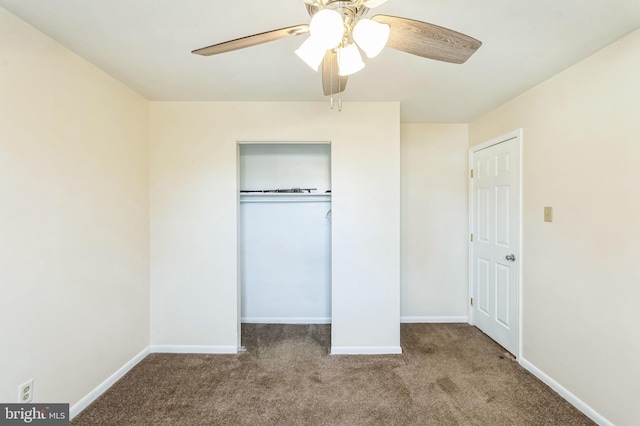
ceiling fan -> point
(338, 28)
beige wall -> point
(434, 222)
(74, 222)
(194, 296)
(581, 279)
(73, 219)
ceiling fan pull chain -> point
(331, 102)
(340, 103)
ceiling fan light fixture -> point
(327, 28)
(311, 52)
(349, 60)
(338, 31)
(371, 36)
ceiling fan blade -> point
(428, 40)
(252, 40)
(332, 82)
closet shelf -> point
(284, 197)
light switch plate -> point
(548, 214)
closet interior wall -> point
(285, 238)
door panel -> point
(502, 219)
(483, 214)
(495, 248)
(483, 285)
(502, 294)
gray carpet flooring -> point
(448, 374)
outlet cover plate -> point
(25, 392)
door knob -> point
(511, 257)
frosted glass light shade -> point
(349, 60)
(371, 36)
(327, 28)
(311, 52)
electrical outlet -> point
(25, 392)
(548, 214)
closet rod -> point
(279, 191)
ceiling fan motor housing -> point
(351, 11)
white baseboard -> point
(269, 320)
(366, 350)
(563, 392)
(102, 387)
(463, 319)
(193, 349)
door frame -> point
(518, 135)
(238, 144)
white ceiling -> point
(147, 43)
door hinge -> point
(471, 173)
(471, 238)
(471, 300)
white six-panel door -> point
(495, 221)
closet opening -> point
(285, 233)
